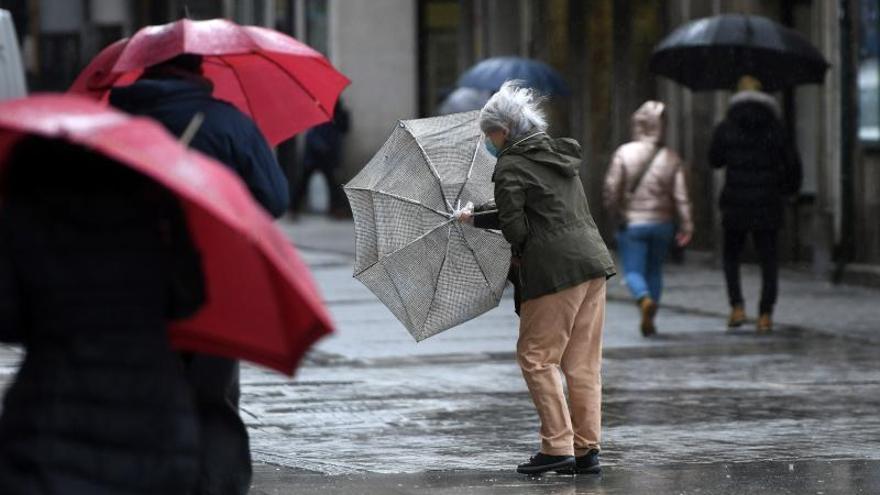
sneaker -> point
(585, 464)
(737, 316)
(649, 309)
(765, 323)
(541, 463)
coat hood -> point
(753, 108)
(563, 155)
(756, 97)
(647, 122)
(146, 93)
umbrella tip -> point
(186, 10)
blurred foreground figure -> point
(95, 260)
(645, 188)
(173, 93)
(762, 168)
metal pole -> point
(844, 250)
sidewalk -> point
(696, 287)
(805, 303)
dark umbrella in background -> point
(491, 73)
(464, 100)
(714, 52)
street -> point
(698, 409)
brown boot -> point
(649, 309)
(765, 323)
(737, 316)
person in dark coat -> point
(762, 169)
(89, 253)
(323, 154)
(172, 93)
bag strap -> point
(643, 170)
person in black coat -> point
(94, 261)
(172, 93)
(762, 169)
(323, 154)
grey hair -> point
(515, 109)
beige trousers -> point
(564, 330)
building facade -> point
(403, 56)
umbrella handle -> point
(192, 129)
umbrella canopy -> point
(261, 302)
(464, 100)
(491, 73)
(430, 270)
(714, 52)
(282, 84)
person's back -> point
(173, 98)
(561, 231)
(761, 165)
(652, 192)
(762, 168)
(100, 404)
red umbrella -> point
(284, 85)
(262, 304)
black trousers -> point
(766, 242)
(328, 170)
(225, 448)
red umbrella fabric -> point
(284, 85)
(262, 304)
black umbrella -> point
(714, 52)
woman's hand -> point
(464, 214)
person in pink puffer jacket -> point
(645, 189)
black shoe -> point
(541, 463)
(585, 464)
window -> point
(869, 71)
(317, 35)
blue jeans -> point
(642, 251)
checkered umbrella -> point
(432, 271)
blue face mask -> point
(491, 148)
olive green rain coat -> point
(543, 213)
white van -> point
(12, 81)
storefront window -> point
(869, 71)
(317, 35)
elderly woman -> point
(563, 264)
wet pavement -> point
(696, 410)
(771, 477)
(697, 403)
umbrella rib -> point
(430, 164)
(470, 170)
(417, 239)
(401, 198)
(247, 98)
(485, 277)
(329, 114)
(442, 264)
